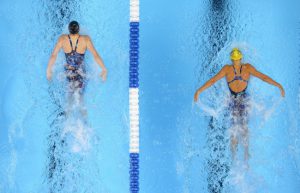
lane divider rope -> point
(134, 96)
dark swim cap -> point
(73, 27)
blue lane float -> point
(134, 97)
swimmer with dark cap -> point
(74, 46)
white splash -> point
(243, 180)
(214, 112)
(76, 130)
(261, 110)
(79, 136)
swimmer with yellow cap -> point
(237, 76)
(236, 54)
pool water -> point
(41, 150)
(184, 146)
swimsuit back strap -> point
(70, 42)
(234, 70)
(76, 43)
(241, 70)
(241, 74)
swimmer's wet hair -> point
(73, 27)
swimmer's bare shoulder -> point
(85, 38)
(63, 37)
(226, 68)
(248, 67)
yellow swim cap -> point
(236, 54)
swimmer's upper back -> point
(242, 72)
(237, 79)
(81, 46)
(230, 73)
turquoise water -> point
(94, 157)
(184, 146)
(184, 44)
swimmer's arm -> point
(97, 57)
(53, 57)
(210, 82)
(264, 78)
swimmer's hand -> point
(49, 74)
(282, 91)
(196, 96)
(103, 75)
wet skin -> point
(84, 43)
(238, 86)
